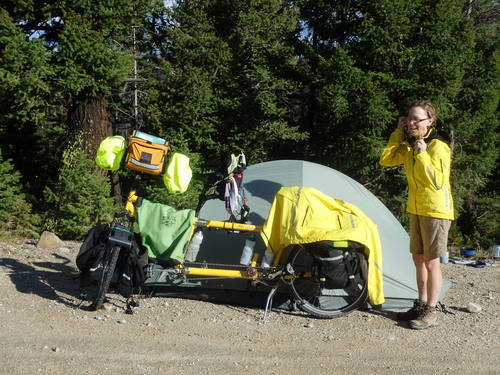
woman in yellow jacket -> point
(426, 158)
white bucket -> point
(445, 258)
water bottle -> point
(194, 247)
(267, 262)
(246, 255)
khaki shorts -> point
(429, 236)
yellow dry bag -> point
(110, 152)
(178, 174)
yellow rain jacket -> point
(301, 215)
(428, 174)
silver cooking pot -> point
(495, 251)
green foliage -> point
(85, 62)
(25, 99)
(225, 67)
(478, 140)
(80, 199)
(23, 73)
(15, 211)
(487, 228)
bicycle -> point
(119, 241)
(302, 268)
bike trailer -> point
(262, 182)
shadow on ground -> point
(56, 281)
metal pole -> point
(136, 103)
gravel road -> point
(44, 329)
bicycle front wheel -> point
(314, 297)
(109, 265)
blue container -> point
(466, 252)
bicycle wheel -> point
(311, 294)
(109, 265)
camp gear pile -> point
(145, 153)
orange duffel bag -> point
(146, 153)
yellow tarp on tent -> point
(301, 215)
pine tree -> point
(25, 103)
(477, 129)
(224, 66)
(81, 197)
(16, 217)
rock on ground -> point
(49, 240)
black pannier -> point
(129, 270)
(90, 257)
(334, 266)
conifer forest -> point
(317, 80)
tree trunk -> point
(89, 120)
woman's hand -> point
(420, 145)
(402, 123)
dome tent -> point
(262, 181)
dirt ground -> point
(45, 329)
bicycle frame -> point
(298, 271)
(250, 273)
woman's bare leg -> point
(434, 280)
(422, 276)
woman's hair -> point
(427, 106)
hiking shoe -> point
(427, 319)
(413, 313)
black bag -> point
(335, 267)
(131, 269)
(338, 269)
(91, 254)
